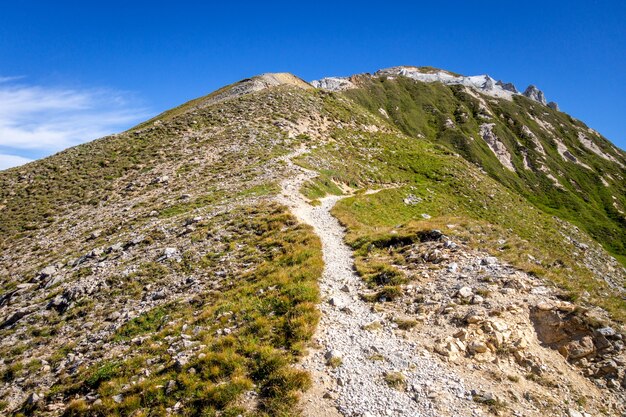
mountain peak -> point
(533, 93)
(279, 78)
(258, 83)
(159, 270)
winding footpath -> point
(357, 386)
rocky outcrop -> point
(496, 145)
(257, 83)
(482, 83)
(491, 322)
(593, 147)
(553, 105)
(536, 94)
(333, 83)
(507, 86)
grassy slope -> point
(267, 297)
(453, 191)
(269, 333)
(421, 109)
(69, 192)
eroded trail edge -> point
(363, 353)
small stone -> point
(47, 271)
(170, 387)
(114, 316)
(545, 306)
(334, 301)
(607, 331)
(426, 216)
(34, 398)
(332, 356)
(474, 317)
(489, 260)
(478, 347)
(465, 292)
(412, 200)
(573, 413)
(499, 326)
(170, 252)
(461, 334)
(159, 295)
(180, 362)
(118, 398)
(95, 234)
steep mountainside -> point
(190, 266)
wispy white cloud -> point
(7, 79)
(38, 120)
(10, 161)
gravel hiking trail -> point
(363, 347)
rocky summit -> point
(412, 242)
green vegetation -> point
(334, 362)
(395, 380)
(150, 322)
(421, 110)
(187, 206)
(320, 186)
(406, 324)
(453, 192)
(269, 312)
(199, 179)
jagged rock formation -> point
(507, 86)
(483, 83)
(498, 148)
(553, 106)
(536, 94)
(333, 84)
(178, 268)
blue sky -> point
(72, 71)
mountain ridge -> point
(162, 270)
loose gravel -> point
(362, 357)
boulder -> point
(577, 349)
